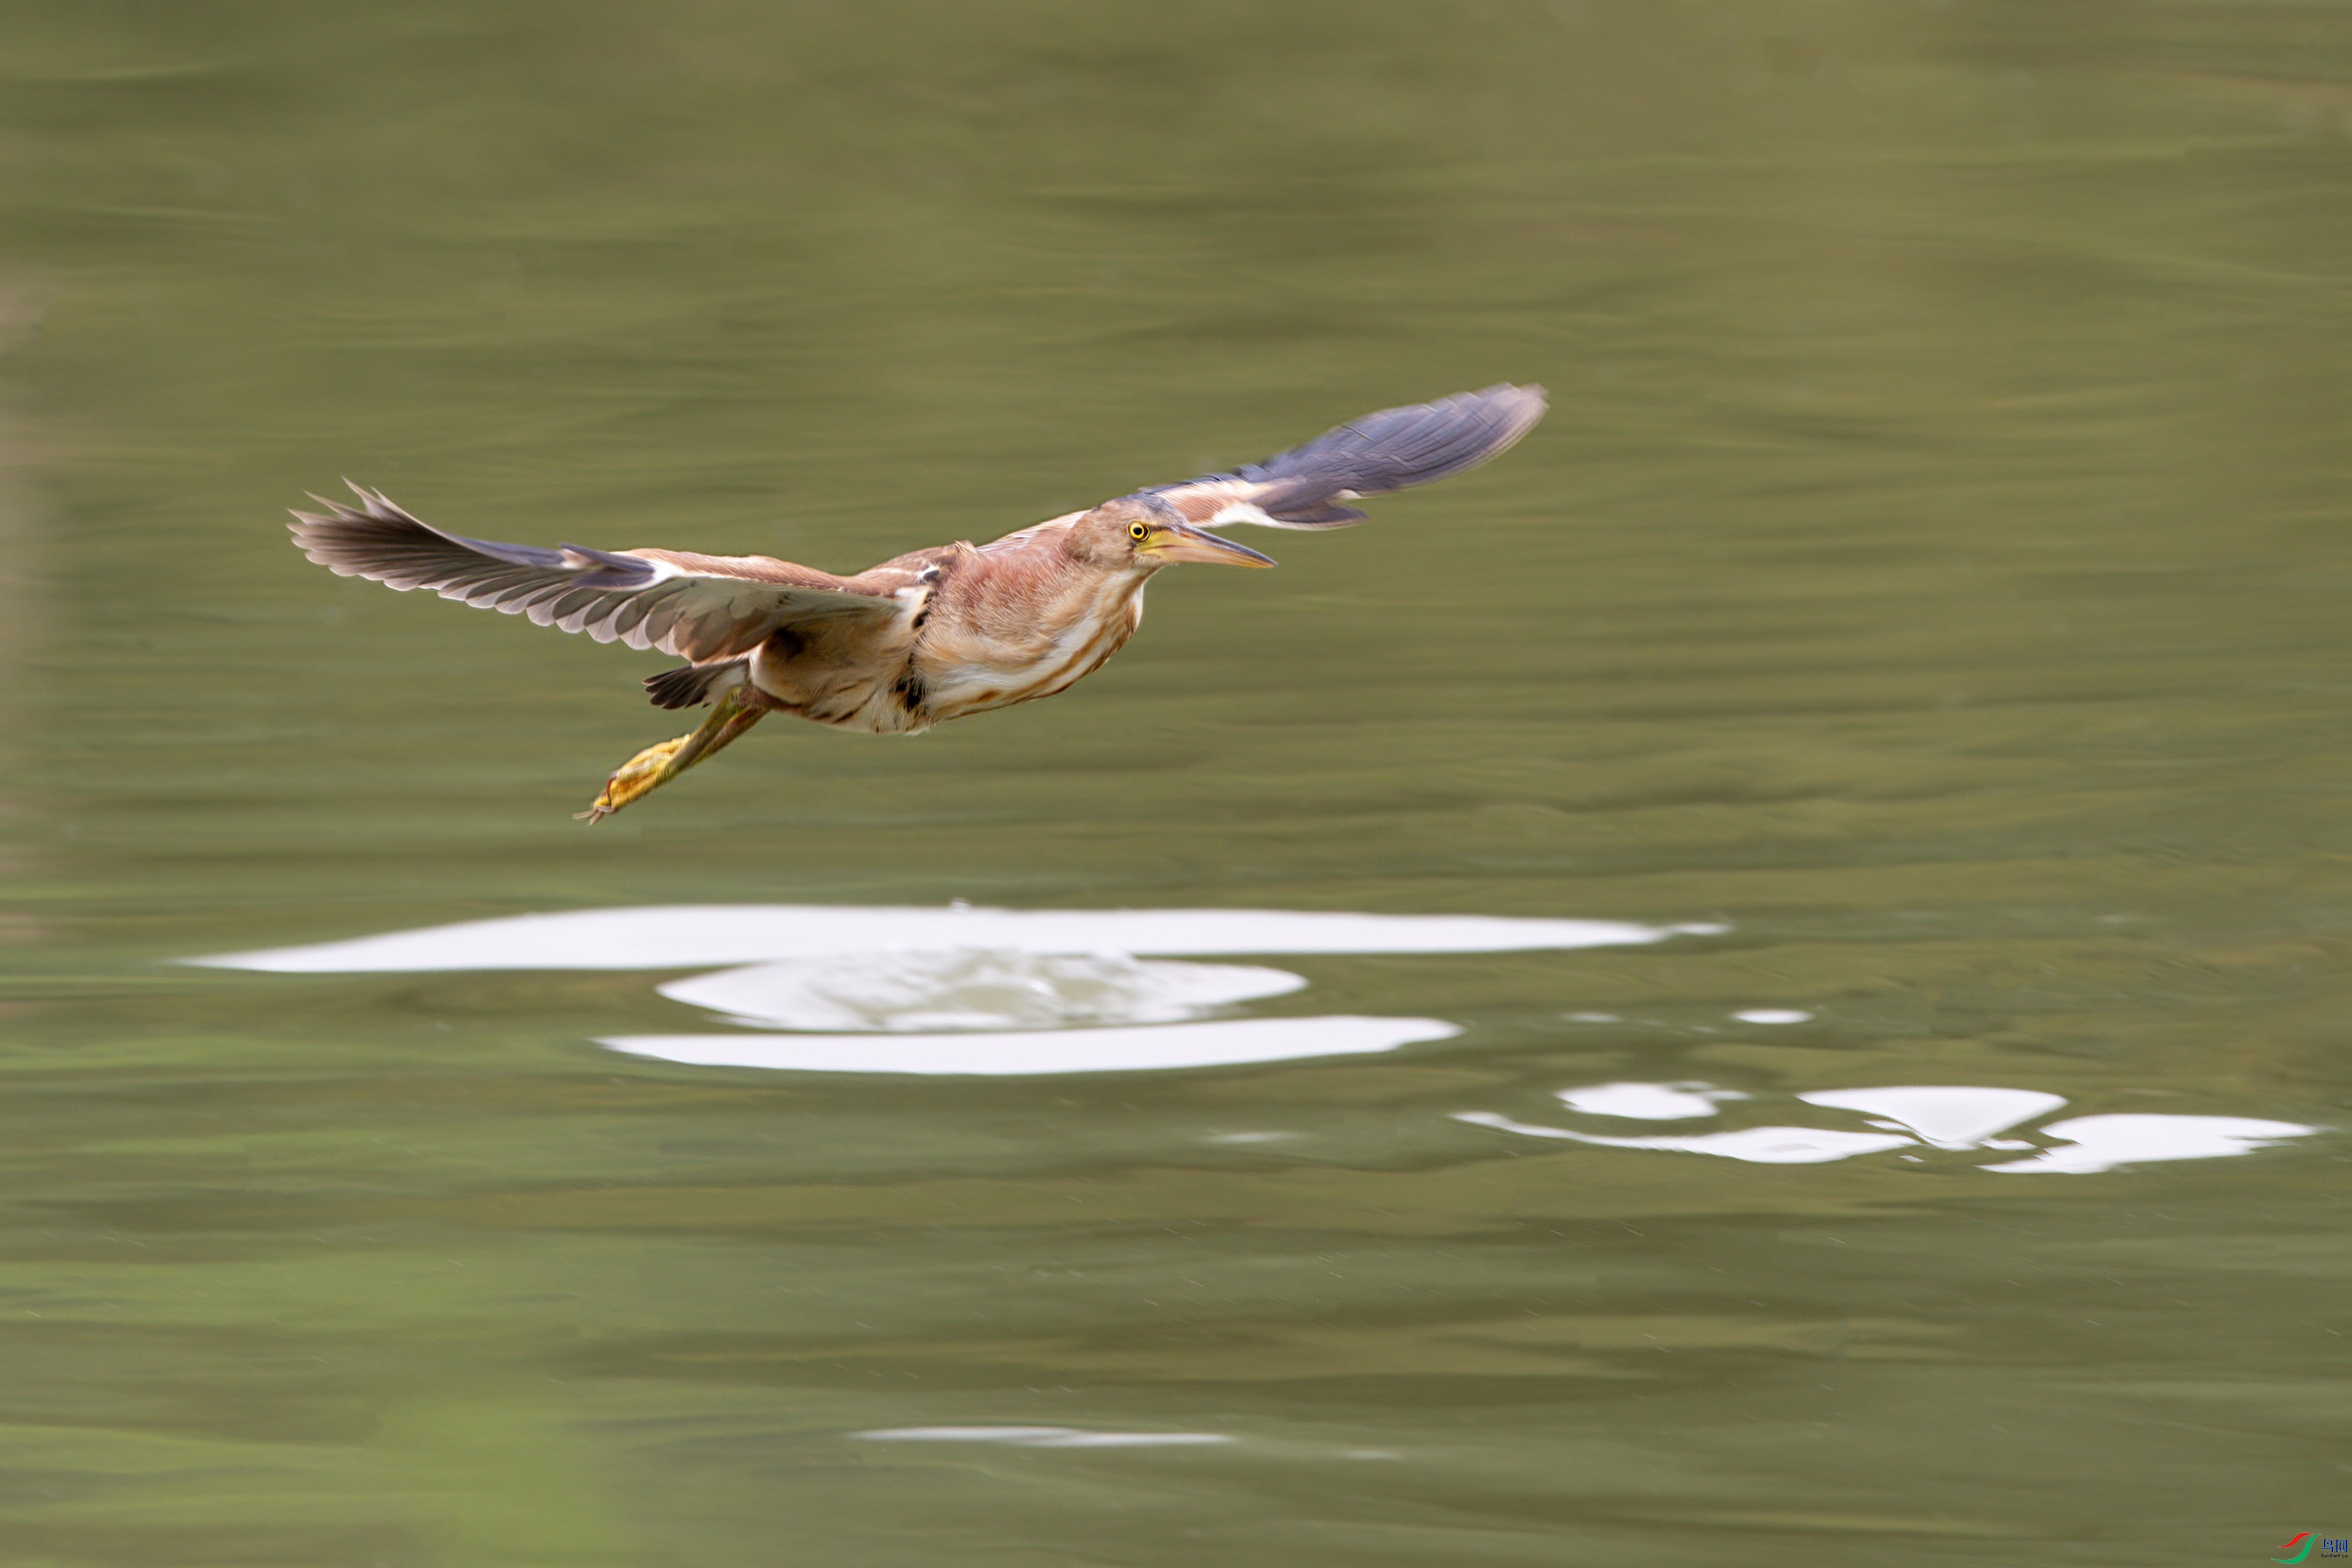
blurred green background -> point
(1934, 567)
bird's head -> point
(1145, 532)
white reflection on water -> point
(2103, 1143)
(912, 992)
(1040, 1437)
(1773, 1015)
(1947, 1118)
(1646, 1101)
(699, 936)
(1942, 1116)
(1758, 1146)
(1231, 1042)
(965, 990)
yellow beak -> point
(1182, 542)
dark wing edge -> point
(642, 602)
(1393, 449)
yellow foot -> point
(635, 777)
(656, 765)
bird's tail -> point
(691, 685)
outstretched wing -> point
(696, 607)
(1392, 450)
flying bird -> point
(925, 637)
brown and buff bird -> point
(925, 637)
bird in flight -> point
(924, 636)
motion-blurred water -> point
(1918, 633)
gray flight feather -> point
(697, 614)
(1393, 449)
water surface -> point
(1918, 634)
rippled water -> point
(1511, 1039)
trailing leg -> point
(656, 765)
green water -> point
(1932, 570)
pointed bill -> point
(1182, 542)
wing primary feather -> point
(613, 570)
(697, 607)
(1398, 449)
(655, 627)
(552, 607)
(1325, 516)
(571, 613)
(1393, 449)
(626, 616)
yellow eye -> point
(1138, 531)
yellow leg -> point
(656, 765)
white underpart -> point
(1077, 649)
(1080, 649)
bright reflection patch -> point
(1645, 1101)
(1232, 1042)
(1951, 1117)
(1946, 1118)
(1757, 1145)
(1039, 1437)
(962, 990)
(708, 936)
(2103, 1143)
(923, 992)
